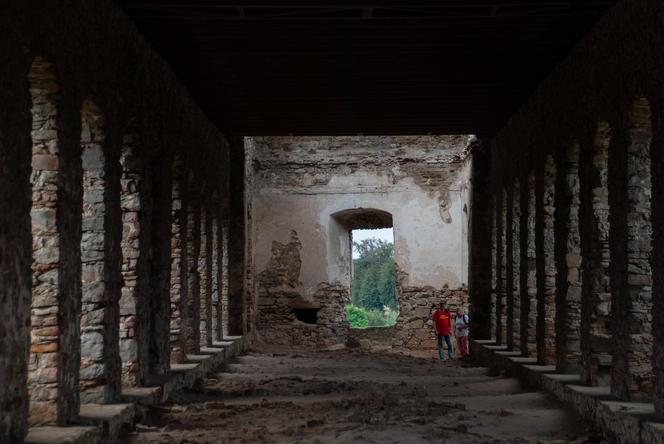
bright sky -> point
(386, 234)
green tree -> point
(374, 286)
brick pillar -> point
(546, 265)
(657, 177)
(190, 333)
(15, 240)
(631, 229)
(179, 268)
(528, 269)
(236, 240)
(479, 279)
(568, 262)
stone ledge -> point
(102, 423)
(622, 422)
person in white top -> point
(462, 331)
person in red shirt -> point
(442, 322)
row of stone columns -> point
(573, 259)
(115, 258)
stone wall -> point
(87, 151)
(310, 192)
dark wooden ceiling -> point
(261, 67)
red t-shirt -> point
(443, 321)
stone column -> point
(100, 360)
(479, 281)
(596, 344)
(179, 268)
(514, 307)
(190, 333)
(568, 262)
(657, 177)
(217, 331)
(225, 281)
(498, 267)
(236, 240)
(134, 302)
(205, 273)
(631, 233)
(158, 192)
(528, 269)
(509, 269)
(546, 266)
(505, 254)
(15, 241)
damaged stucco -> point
(301, 183)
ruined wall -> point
(304, 187)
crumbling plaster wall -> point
(301, 252)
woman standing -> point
(462, 332)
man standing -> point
(442, 322)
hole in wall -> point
(306, 315)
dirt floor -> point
(349, 396)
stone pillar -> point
(505, 254)
(190, 334)
(134, 301)
(509, 269)
(499, 217)
(236, 240)
(546, 265)
(217, 330)
(479, 281)
(631, 233)
(158, 192)
(596, 344)
(528, 269)
(100, 361)
(224, 276)
(205, 273)
(657, 177)
(15, 241)
(179, 268)
(514, 306)
(568, 262)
